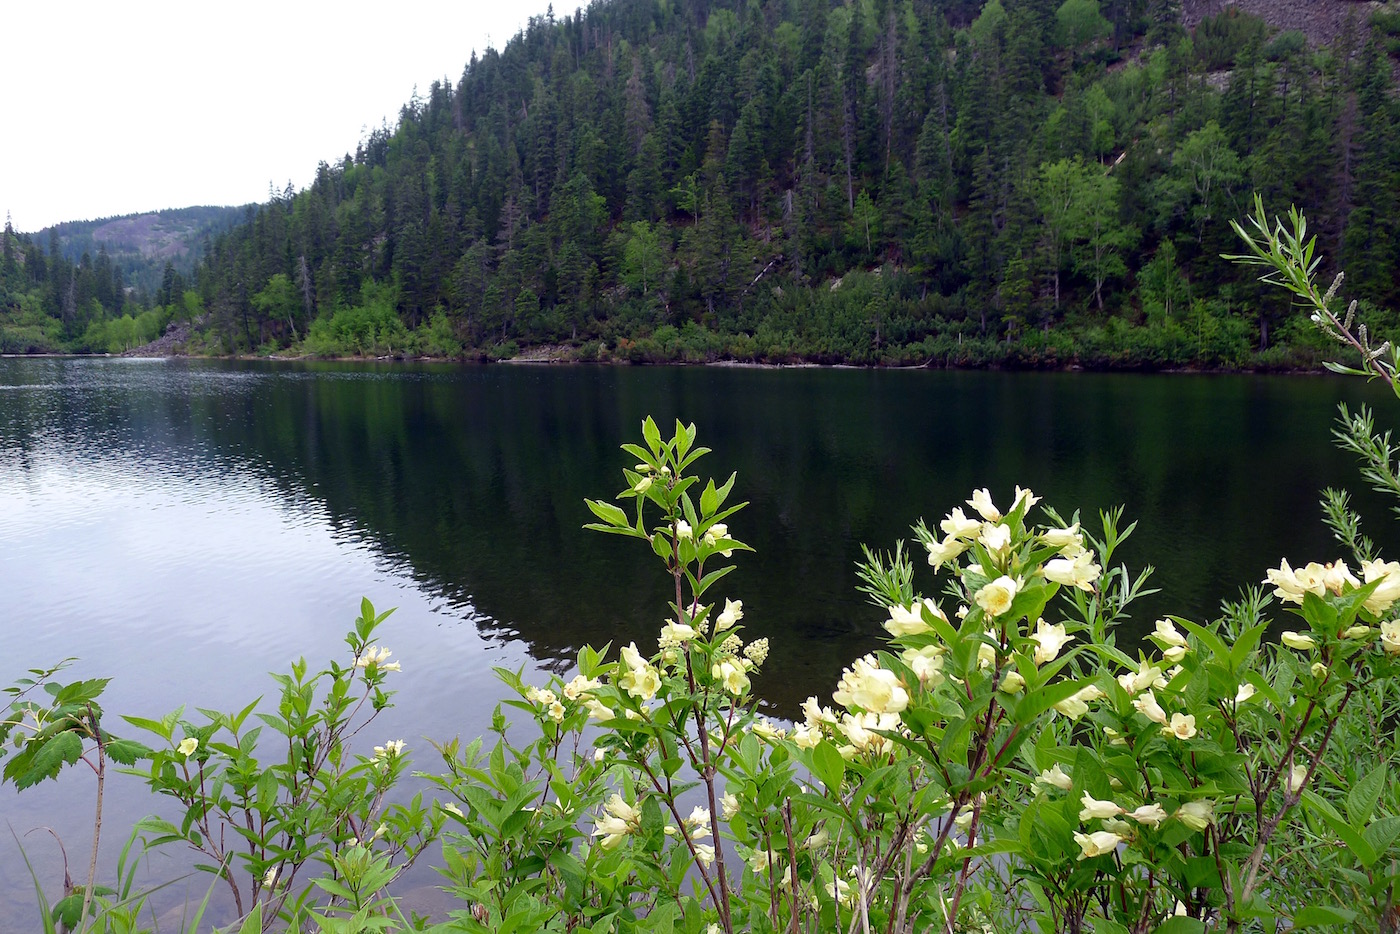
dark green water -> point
(187, 526)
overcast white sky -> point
(114, 108)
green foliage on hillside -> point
(1019, 182)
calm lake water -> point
(185, 527)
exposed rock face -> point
(167, 345)
(1322, 21)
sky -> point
(119, 108)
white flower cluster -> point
(1292, 585)
(375, 658)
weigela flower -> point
(389, 750)
(987, 650)
(556, 711)
(1166, 634)
(642, 485)
(187, 746)
(1146, 676)
(1297, 778)
(1012, 682)
(1055, 776)
(620, 820)
(860, 729)
(806, 737)
(816, 714)
(1337, 579)
(1182, 726)
(1356, 632)
(1077, 704)
(715, 533)
(1049, 639)
(1294, 640)
(535, 696)
(766, 729)
(909, 621)
(1385, 595)
(597, 710)
(732, 675)
(1146, 704)
(1291, 585)
(698, 823)
(763, 860)
(1390, 637)
(1097, 843)
(871, 688)
(1319, 670)
(995, 598)
(270, 877)
(673, 634)
(982, 502)
(733, 612)
(840, 890)
(926, 663)
(705, 853)
(1150, 814)
(940, 553)
(1026, 497)
(995, 538)
(377, 658)
(1078, 572)
(728, 806)
(683, 529)
(1094, 808)
(452, 808)
(1197, 815)
(580, 685)
(1245, 692)
(957, 525)
(1069, 541)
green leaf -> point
(1179, 924)
(828, 765)
(1042, 700)
(651, 434)
(609, 513)
(1361, 800)
(126, 751)
(48, 759)
(1322, 915)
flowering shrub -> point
(1001, 765)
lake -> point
(186, 526)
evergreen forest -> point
(1034, 183)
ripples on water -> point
(185, 527)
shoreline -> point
(538, 359)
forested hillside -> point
(1019, 182)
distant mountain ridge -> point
(141, 244)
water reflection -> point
(188, 526)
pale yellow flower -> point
(860, 730)
(995, 538)
(995, 598)
(871, 688)
(642, 485)
(1197, 815)
(909, 621)
(1336, 578)
(187, 746)
(1319, 670)
(1049, 639)
(1077, 704)
(940, 553)
(1055, 776)
(1080, 571)
(1356, 632)
(1150, 814)
(1297, 778)
(714, 534)
(957, 525)
(673, 634)
(642, 682)
(705, 853)
(1026, 497)
(1146, 676)
(728, 806)
(1069, 541)
(1167, 634)
(1012, 682)
(732, 613)
(1245, 692)
(1290, 585)
(982, 502)
(732, 675)
(1182, 726)
(1295, 640)
(1094, 808)
(580, 685)
(1097, 843)
(683, 529)
(1146, 704)
(926, 663)
(1390, 637)
(269, 878)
